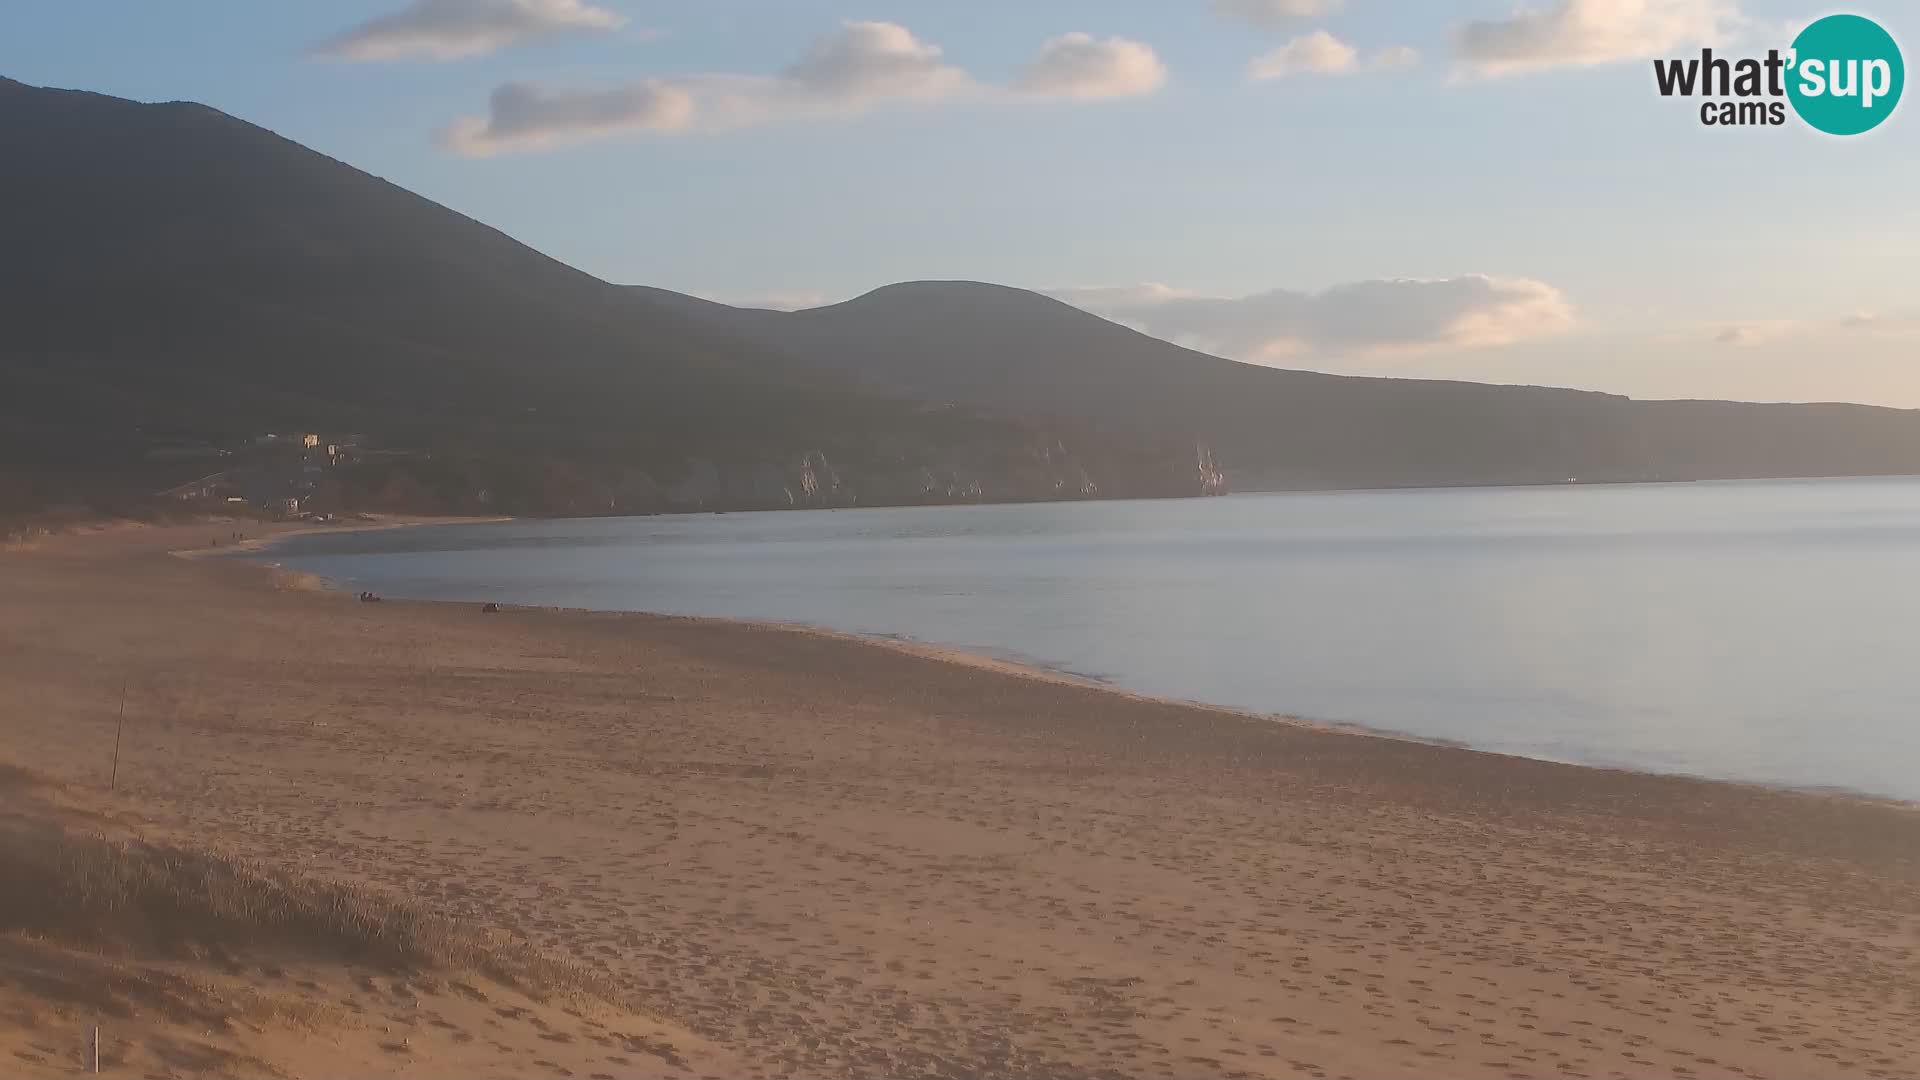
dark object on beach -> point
(489, 609)
(369, 598)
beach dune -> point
(769, 852)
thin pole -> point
(93, 1050)
(113, 781)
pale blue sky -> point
(1658, 257)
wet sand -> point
(802, 854)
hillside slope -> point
(172, 271)
(1014, 351)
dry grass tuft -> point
(98, 894)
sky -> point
(1491, 191)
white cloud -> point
(1893, 323)
(1080, 67)
(452, 29)
(525, 116)
(1396, 56)
(1275, 12)
(1767, 331)
(1902, 325)
(1582, 33)
(1318, 53)
(873, 61)
(863, 66)
(1749, 334)
(1469, 311)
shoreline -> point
(282, 531)
(1029, 668)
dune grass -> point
(87, 891)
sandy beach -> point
(773, 852)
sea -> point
(1762, 631)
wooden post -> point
(113, 781)
(93, 1050)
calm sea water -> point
(1765, 631)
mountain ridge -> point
(173, 269)
(1008, 350)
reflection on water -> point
(1763, 631)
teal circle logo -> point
(1846, 75)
